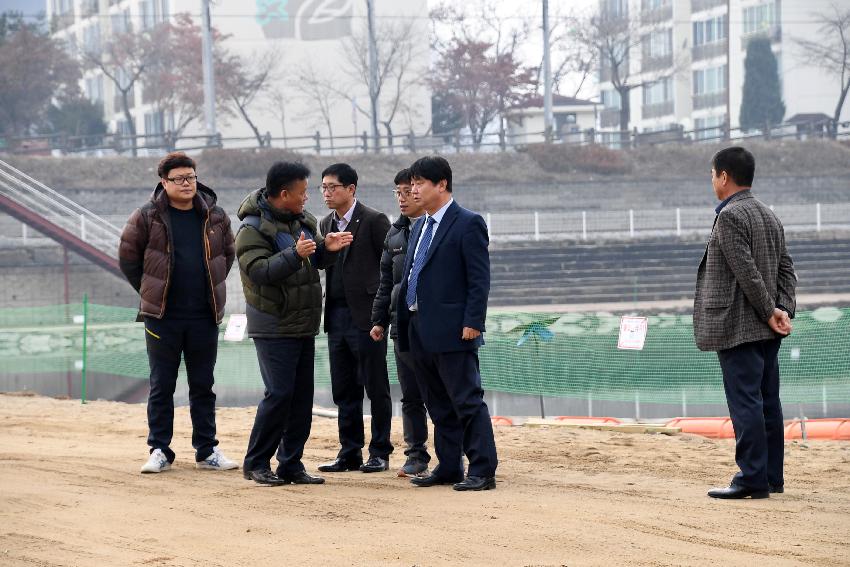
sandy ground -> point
(71, 494)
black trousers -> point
(196, 341)
(414, 416)
(451, 386)
(285, 413)
(751, 381)
(358, 363)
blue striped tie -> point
(418, 261)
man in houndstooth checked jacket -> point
(744, 302)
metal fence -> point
(449, 142)
(548, 225)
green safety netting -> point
(564, 355)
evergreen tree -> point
(762, 102)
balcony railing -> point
(709, 50)
(661, 14)
(658, 109)
(700, 5)
(709, 100)
(774, 33)
(656, 63)
(609, 117)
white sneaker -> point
(217, 462)
(157, 462)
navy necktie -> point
(419, 260)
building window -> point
(658, 92)
(164, 11)
(615, 8)
(760, 17)
(710, 31)
(660, 43)
(708, 128)
(91, 38)
(61, 7)
(653, 4)
(147, 9)
(94, 88)
(611, 99)
(711, 80)
(121, 22)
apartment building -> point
(690, 63)
(293, 30)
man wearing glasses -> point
(414, 418)
(176, 251)
(357, 362)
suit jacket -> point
(361, 261)
(453, 285)
(744, 274)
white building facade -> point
(691, 49)
(301, 33)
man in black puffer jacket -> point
(413, 413)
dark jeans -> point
(751, 381)
(451, 386)
(197, 341)
(414, 417)
(285, 413)
(358, 363)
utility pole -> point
(208, 69)
(373, 74)
(547, 75)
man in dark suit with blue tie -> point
(441, 311)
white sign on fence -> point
(236, 325)
(632, 333)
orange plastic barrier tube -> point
(501, 420)
(833, 429)
(713, 427)
(580, 419)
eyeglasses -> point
(181, 179)
(329, 188)
(406, 194)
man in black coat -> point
(357, 362)
(414, 417)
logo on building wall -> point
(309, 20)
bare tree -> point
(572, 60)
(246, 80)
(124, 59)
(277, 103)
(616, 37)
(175, 83)
(319, 96)
(831, 52)
(396, 73)
(484, 32)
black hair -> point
(738, 163)
(282, 174)
(434, 169)
(402, 176)
(173, 161)
(342, 171)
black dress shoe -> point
(340, 465)
(735, 492)
(301, 477)
(375, 464)
(429, 480)
(476, 483)
(776, 489)
(264, 476)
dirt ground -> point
(71, 494)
